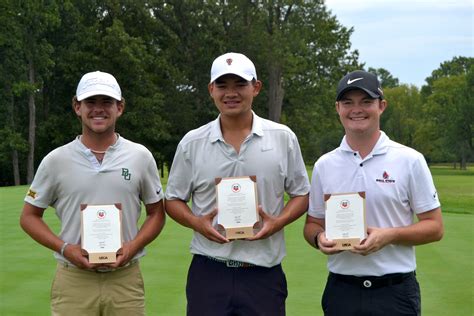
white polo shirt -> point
(71, 175)
(271, 152)
(398, 184)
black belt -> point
(230, 263)
(373, 281)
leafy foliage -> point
(449, 110)
(161, 52)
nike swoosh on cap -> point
(349, 81)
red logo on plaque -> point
(345, 204)
(101, 214)
(236, 187)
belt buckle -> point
(233, 264)
(104, 270)
(108, 269)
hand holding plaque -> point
(345, 219)
(101, 232)
(237, 206)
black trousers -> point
(213, 288)
(389, 295)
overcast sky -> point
(409, 38)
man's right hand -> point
(73, 253)
(203, 225)
(326, 246)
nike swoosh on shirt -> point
(349, 81)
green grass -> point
(445, 269)
(455, 188)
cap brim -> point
(88, 94)
(242, 75)
(370, 93)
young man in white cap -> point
(98, 168)
(239, 277)
(377, 277)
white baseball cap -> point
(98, 83)
(233, 63)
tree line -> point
(161, 53)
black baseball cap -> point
(360, 79)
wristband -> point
(63, 248)
(316, 240)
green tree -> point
(404, 112)
(116, 37)
(451, 109)
(448, 99)
(300, 51)
(456, 66)
(11, 68)
(36, 18)
(25, 48)
(188, 35)
(387, 80)
(293, 43)
(161, 53)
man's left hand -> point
(377, 238)
(271, 225)
(126, 254)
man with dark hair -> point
(377, 277)
(240, 277)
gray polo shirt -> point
(271, 152)
(71, 175)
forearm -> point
(179, 211)
(152, 226)
(34, 226)
(428, 229)
(311, 229)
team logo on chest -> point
(126, 174)
(386, 178)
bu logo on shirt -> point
(386, 178)
(126, 174)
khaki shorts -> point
(81, 292)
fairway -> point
(445, 269)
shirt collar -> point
(216, 132)
(380, 147)
(83, 147)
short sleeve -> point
(151, 188)
(180, 177)
(42, 190)
(423, 195)
(316, 196)
(297, 182)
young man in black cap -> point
(376, 277)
